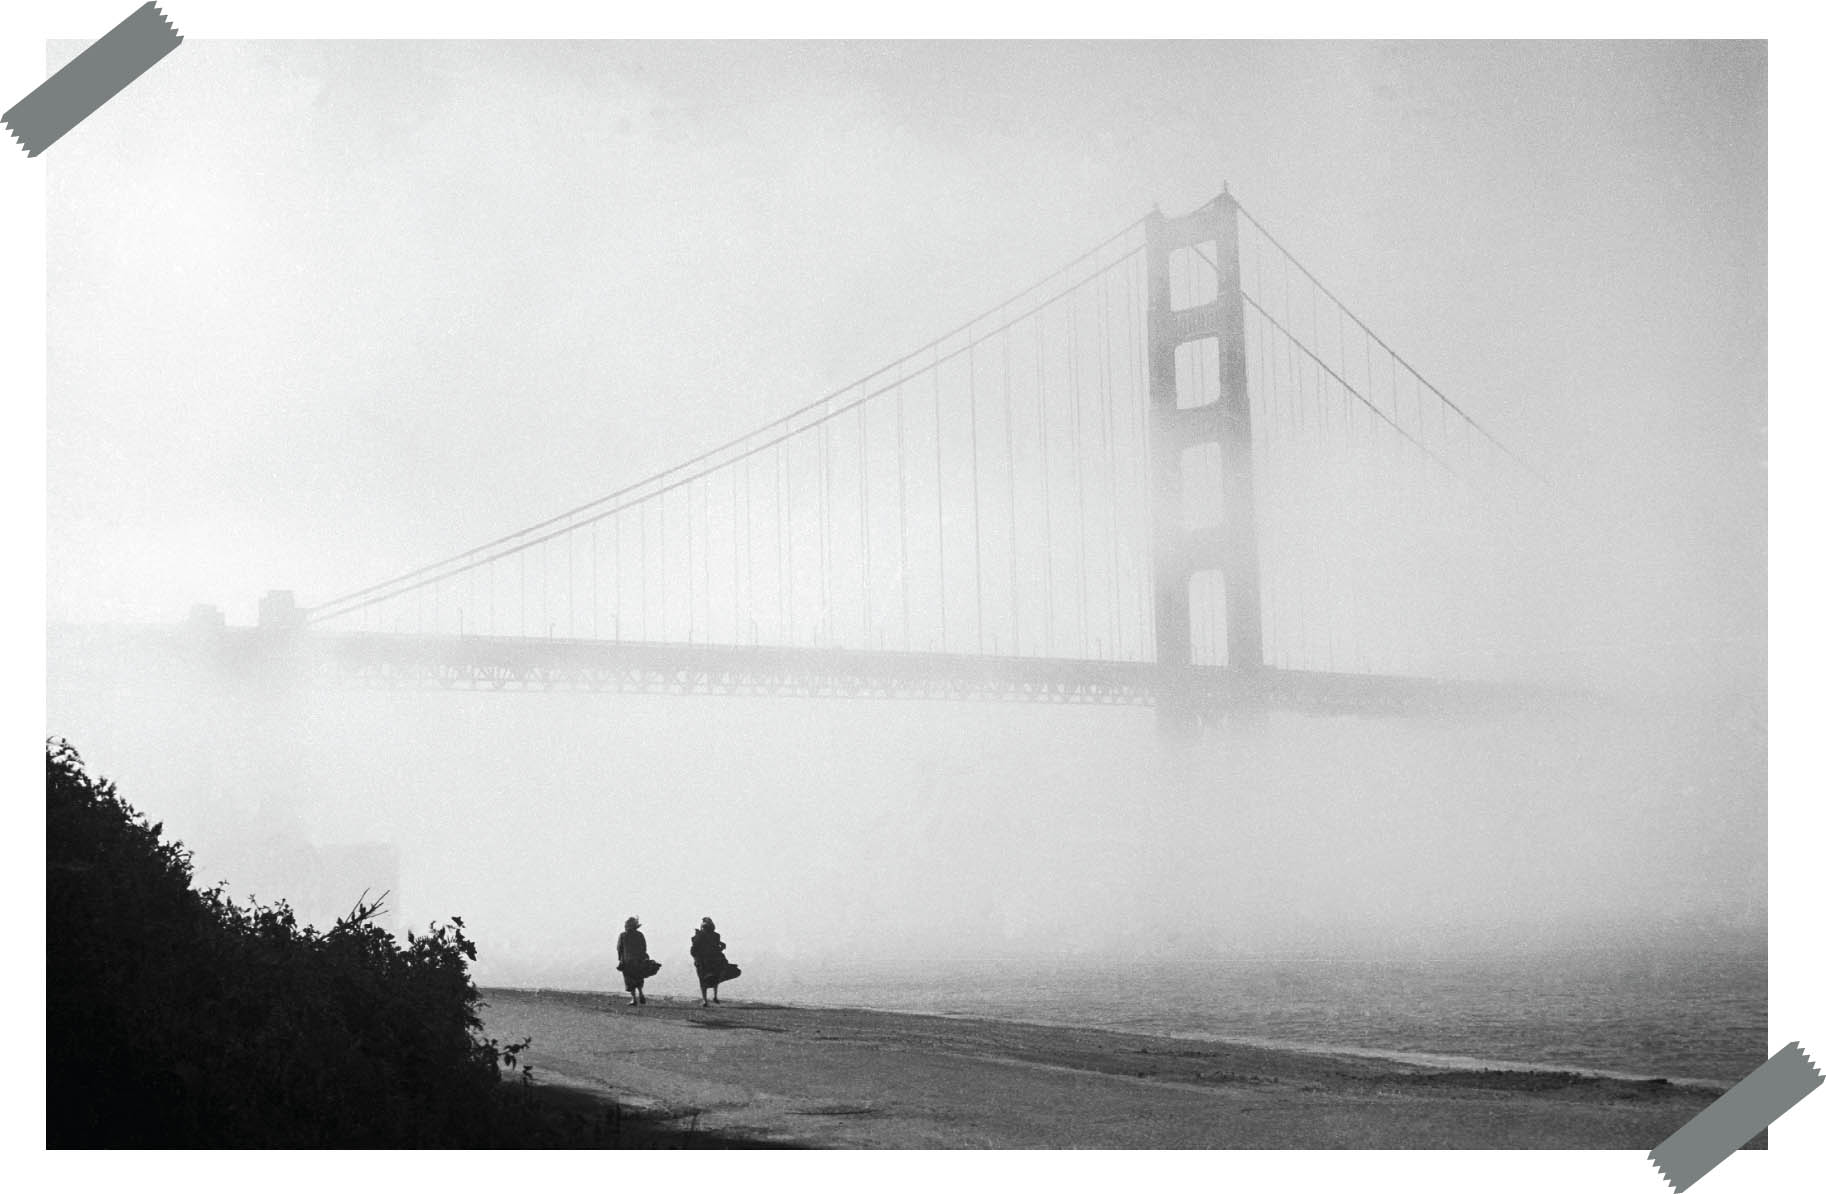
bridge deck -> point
(510, 664)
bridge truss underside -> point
(511, 664)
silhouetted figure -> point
(632, 960)
(712, 967)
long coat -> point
(631, 957)
(707, 955)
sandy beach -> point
(848, 1078)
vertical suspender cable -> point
(1303, 581)
(900, 467)
(1268, 462)
(1369, 392)
(748, 555)
(779, 554)
(1325, 563)
(976, 500)
(1072, 380)
(862, 489)
(1140, 446)
(824, 526)
(734, 559)
(1014, 571)
(690, 565)
(1106, 406)
(1045, 471)
(665, 569)
(792, 563)
(938, 470)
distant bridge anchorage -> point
(1177, 472)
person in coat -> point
(632, 960)
(713, 967)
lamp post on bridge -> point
(1229, 546)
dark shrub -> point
(178, 1017)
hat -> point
(633, 922)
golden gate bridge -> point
(1177, 471)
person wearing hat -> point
(712, 967)
(632, 960)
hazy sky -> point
(357, 305)
(322, 312)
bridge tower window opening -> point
(1198, 374)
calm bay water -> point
(1697, 1016)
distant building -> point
(279, 611)
(206, 617)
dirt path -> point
(857, 1079)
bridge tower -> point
(1226, 543)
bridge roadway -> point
(434, 662)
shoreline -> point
(862, 1078)
(1447, 1062)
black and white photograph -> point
(1112, 594)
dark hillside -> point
(181, 1018)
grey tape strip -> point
(1738, 1114)
(91, 79)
